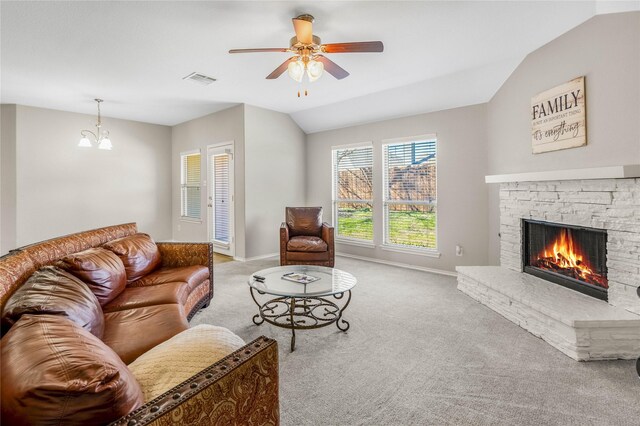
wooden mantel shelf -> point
(609, 172)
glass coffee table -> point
(308, 297)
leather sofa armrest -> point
(284, 239)
(186, 254)
(328, 237)
(284, 232)
(240, 389)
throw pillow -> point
(50, 290)
(55, 372)
(185, 354)
(138, 253)
(100, 269)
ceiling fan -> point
(308, 53)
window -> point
(353, 192)
(409, 193)
(190, 185)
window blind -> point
(353, 192)
(190, 186)
(409, 194)
(221, 198)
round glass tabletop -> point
(302, 281)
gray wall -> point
(7, 178)
(274, 176)
(605, 49)
(462, 194)
(222, 126)
(62, 188)
(269, 173)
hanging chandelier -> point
(101, 137)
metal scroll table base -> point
(301, 313)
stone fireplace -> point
(582, 233)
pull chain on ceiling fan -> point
(308, 53)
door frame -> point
(220, 247)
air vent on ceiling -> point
(199, 78)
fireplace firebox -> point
(575, 257)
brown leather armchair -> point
(305, 239)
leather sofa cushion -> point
(137, 297)
(51, 290)
(307, 256)
(138, 253)
(100, 269)
(304, 221)
(55, 372)
(192, 275)
(132, 332)
(308, 244)
(184, 355)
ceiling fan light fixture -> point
(308, 53)
(296, 70)
(314, 70)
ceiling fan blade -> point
(281, 68)
(266, 49)
(360, 46)
(304, 30)
(332, 68)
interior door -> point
(221, 198)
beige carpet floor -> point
(419, 352)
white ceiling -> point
(438, 55)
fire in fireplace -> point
(570, 256)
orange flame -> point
(565, 254)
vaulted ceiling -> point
(134, 55)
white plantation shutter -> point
(409, 194)
(220, 165)
(353, 192)
(190, 200)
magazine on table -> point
(300, 278)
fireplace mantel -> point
(609, 172)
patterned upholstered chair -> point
(305, 239)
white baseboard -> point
(367, 259)
(400, 265)
(264, 256)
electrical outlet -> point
(178, 227)
(459, 250)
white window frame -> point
(386, 244)
(335, 200)
(183, 175)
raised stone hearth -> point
(580, 326)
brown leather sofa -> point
(305, 239)
(83, 381)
